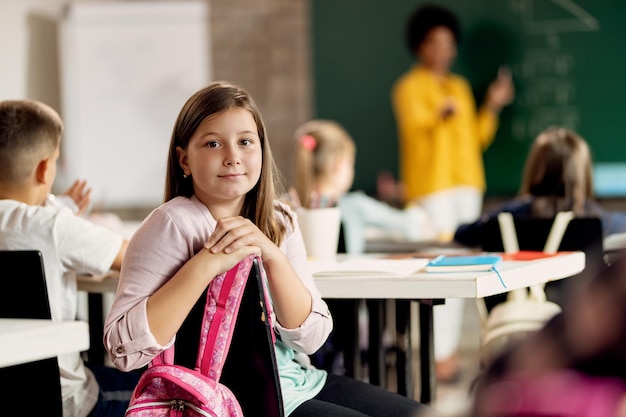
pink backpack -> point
(166, 389)
(555, 393)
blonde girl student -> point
(220, 206)
(324, 172)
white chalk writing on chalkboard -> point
(550, 93)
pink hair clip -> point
(308, 142)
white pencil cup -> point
(320, 230)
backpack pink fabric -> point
(172, 390)
(558, 393)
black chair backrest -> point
(25, 295)
(582, 233)
(250, 369)
(24, 279)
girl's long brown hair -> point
(558, 173)
(260, 202)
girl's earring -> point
(185, 175)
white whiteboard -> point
(127, 67)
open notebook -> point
(365, 266)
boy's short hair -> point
(426, 18)
(30, 131)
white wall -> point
(29, 63)
(38, 62)
(28, 45)
(273, 67)
(127, 67)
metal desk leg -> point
(96, 329)
(348, 325)
(427, 356)
(404, 364)
(375, 350)
(344, 338)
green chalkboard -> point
(568, 59)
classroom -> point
(118, 76)
(329, 44)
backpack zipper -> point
(176, 406)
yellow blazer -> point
(437, 154)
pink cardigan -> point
(166, 239)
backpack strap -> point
(511, 245)
(220, 315)
(509, 235)
(223, 298)
(557, 231)
(507, 232)
(222, 303)
(555, 236)
(561, 221)
(218, 308)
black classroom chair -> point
(25, 295)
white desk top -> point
(428, 285)
(421, 285)
(25, 340)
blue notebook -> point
(445, 263)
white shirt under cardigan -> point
(165, 241)
(69, 244)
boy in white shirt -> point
(30, 135)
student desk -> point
(29, 340)
(427, 288)
(431, 288)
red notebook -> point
(528, 255)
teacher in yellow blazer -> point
(442, 133)
(442, 137)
